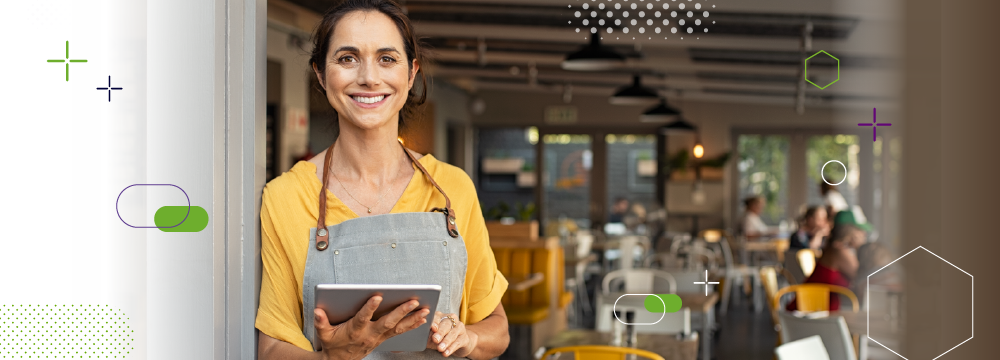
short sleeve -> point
(279, 313)
(484, 283)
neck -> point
(371, 155)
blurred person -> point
(752, 226)
(839, 263)
(618, 210)
(368, 190)
(813, 227)
(834, 200)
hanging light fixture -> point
(698, 150)
(659, 113)
(677, 126)
(634, 94)
(593, 57)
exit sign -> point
(560, 115)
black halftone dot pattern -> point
(65, 331)
(682, 16)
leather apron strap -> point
(322, 235)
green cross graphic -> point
(67, 60)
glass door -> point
(568, 162)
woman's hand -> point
(451, 337)
(356, 338)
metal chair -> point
(600, 352)
(639, 280)
(833, 330)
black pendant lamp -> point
(592, 57)
(677, 126)
(634, 94)
(660, 113)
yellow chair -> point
(807, 261)
(601, 352)
(812, 297)
(769, 279)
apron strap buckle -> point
(449, 220)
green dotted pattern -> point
(63, 331)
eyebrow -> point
(355, 49)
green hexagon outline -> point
(805, 73)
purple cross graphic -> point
(874, 124)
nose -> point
(368, 74)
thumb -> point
(322, 324)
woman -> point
(839, 263)
(345, 211)
(814, 227)
(752, 225)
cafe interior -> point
(699, 153)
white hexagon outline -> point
(868, 301)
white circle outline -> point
(824, 177)
(615, 312)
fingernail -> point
(442, 347)
(437, 337)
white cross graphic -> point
(706, 282)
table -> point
(668, 346)
(697, 302)
(777, 246)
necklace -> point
(355, 199)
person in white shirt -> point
(752, 226)
(832, 198)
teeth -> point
(369, 100)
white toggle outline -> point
(868, 303)
(664, 313)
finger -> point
(444, 328)
(437, 317)
(412, 321)
(459, 342)
(321, 322)
(457, 331)
(389, 321)
(364, 316)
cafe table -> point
(668, 346)
(776, 246)
(696, 302)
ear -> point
(319, 76)
(413, 74)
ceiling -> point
(753, 50)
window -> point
(763, 171)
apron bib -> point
(406, 248)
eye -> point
(347, 59)
(387, 59)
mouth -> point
(367, 100)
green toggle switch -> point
(672, 301)
(172, 219)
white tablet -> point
(342, 301)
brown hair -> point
(412, 45)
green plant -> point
(497, 212)
(528, 167)
(525, 212)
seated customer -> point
(812, 229)
(751, 225)
(839, 263)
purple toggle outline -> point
(153, 227)
(874, 124)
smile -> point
(369, 100)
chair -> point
(807, 261)
(810, 348)
(734, 272)
(812, 297)
(678, 322)
(832, 330)
(769, 280)
(601, 352)
(640, 280)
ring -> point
(454, 322)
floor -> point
(744, 334)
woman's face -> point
(367, 76)
(817, 220)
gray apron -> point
(408, 248)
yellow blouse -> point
(290, 208)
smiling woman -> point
(389, 219)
